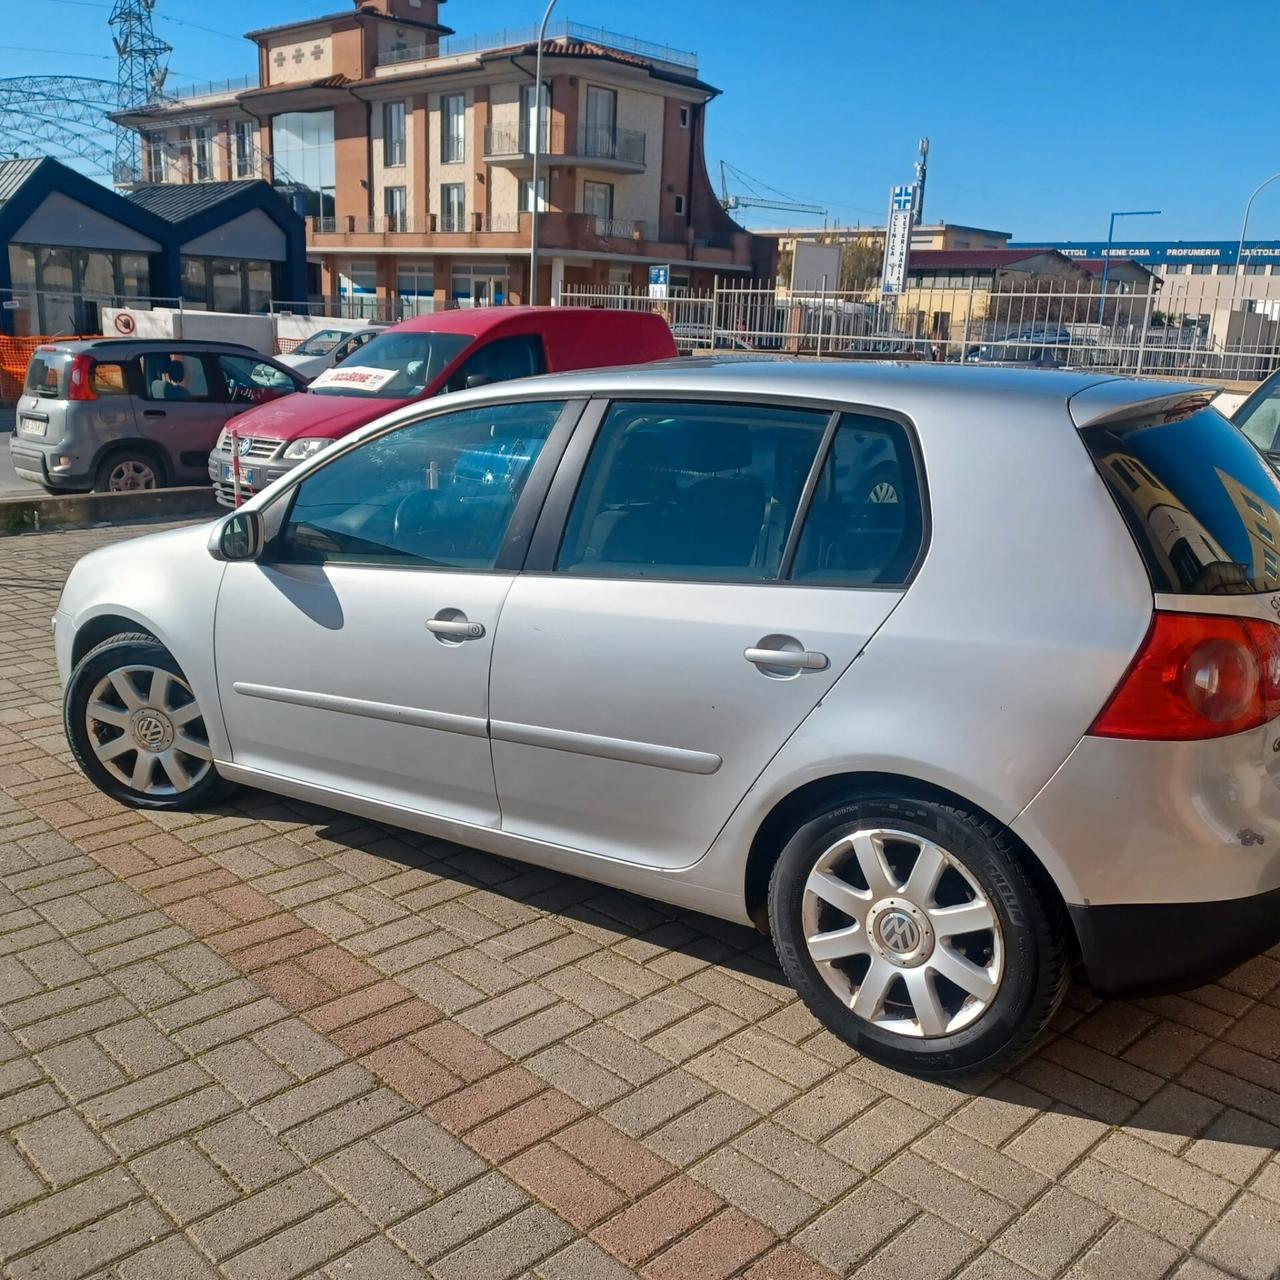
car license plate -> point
(246, 476)
(32, 427)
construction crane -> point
(776, 199)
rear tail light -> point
(1197, 676)
(80, 386)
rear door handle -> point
(153, 413)
(791, 659)
(455, 628)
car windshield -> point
(1259, 418)
(393, 366)
(320, 344)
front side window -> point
(691, 491)
(320, 344)
(251, 381)
(174, 376)
(437, 494)
(1259, 417)
(393, 146)
(453, 126)
(393, 366)
(453, 207)
(499, 361)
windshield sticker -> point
(357, 376)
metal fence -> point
(1165, 328)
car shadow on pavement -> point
(1167, 1066)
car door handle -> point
(455, 628)
(791, 659)
(153, 413)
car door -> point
(181, 407)
(355, 654)
(690, 597)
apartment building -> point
(410, 151)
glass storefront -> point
(60, 290)
(228, 284)
(302, 147)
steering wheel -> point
(416, 514)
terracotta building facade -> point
(410, 153)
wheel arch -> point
(133, 444)
(93, 631)
(817, 796)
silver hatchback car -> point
(654, 627)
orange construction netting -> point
(15, 355)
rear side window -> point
(176, 376)
(1259, 417)
(1202, 505)
(108, 379)
(44, 373)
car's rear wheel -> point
(129, 472)
(913, 930)
(136, 728)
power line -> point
(61, 53)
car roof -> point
(474, 321)
(179, 345)
(888, 384)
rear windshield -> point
(1202, 504)
(393, 366)
(44, 373)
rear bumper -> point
(33, 464)
(1170, 946)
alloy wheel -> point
(885, 491)
(129, 475)
(145, 728)
(902, 933)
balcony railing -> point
(566, 30)
(408, 53)
(590, 142)
(619, 228)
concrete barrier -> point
(24, 513)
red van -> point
(445, 351)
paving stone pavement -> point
(276, 1041)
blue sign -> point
(660, 276)
(903, 197)
(1163, 252)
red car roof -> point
(475, 321)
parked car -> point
(1259, 418)
(113, 414)
(1037, 348)
(647, 627)
(420, 358)
(323, 350)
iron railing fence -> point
(1170, 330)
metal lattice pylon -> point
(142, 68)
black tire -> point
(1036, 967)
(140, 458)
(120, 651)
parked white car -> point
(657, 627)
(323, 350)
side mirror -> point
(477, 380)
(239, 537)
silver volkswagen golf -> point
(952, 679)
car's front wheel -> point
(913, 930)
(136, 728)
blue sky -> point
(1042, 118)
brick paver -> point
(277, 1041)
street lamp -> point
(537, 147)
(1106, 257)
(1244, 227)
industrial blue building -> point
(69, 247)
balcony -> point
(613, 150)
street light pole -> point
(537, 148)
(1244, 228)
(1106, 257)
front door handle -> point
(455, 628)
(787, 659)
(153, 413)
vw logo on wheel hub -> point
(899, 932)
(152, 730)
